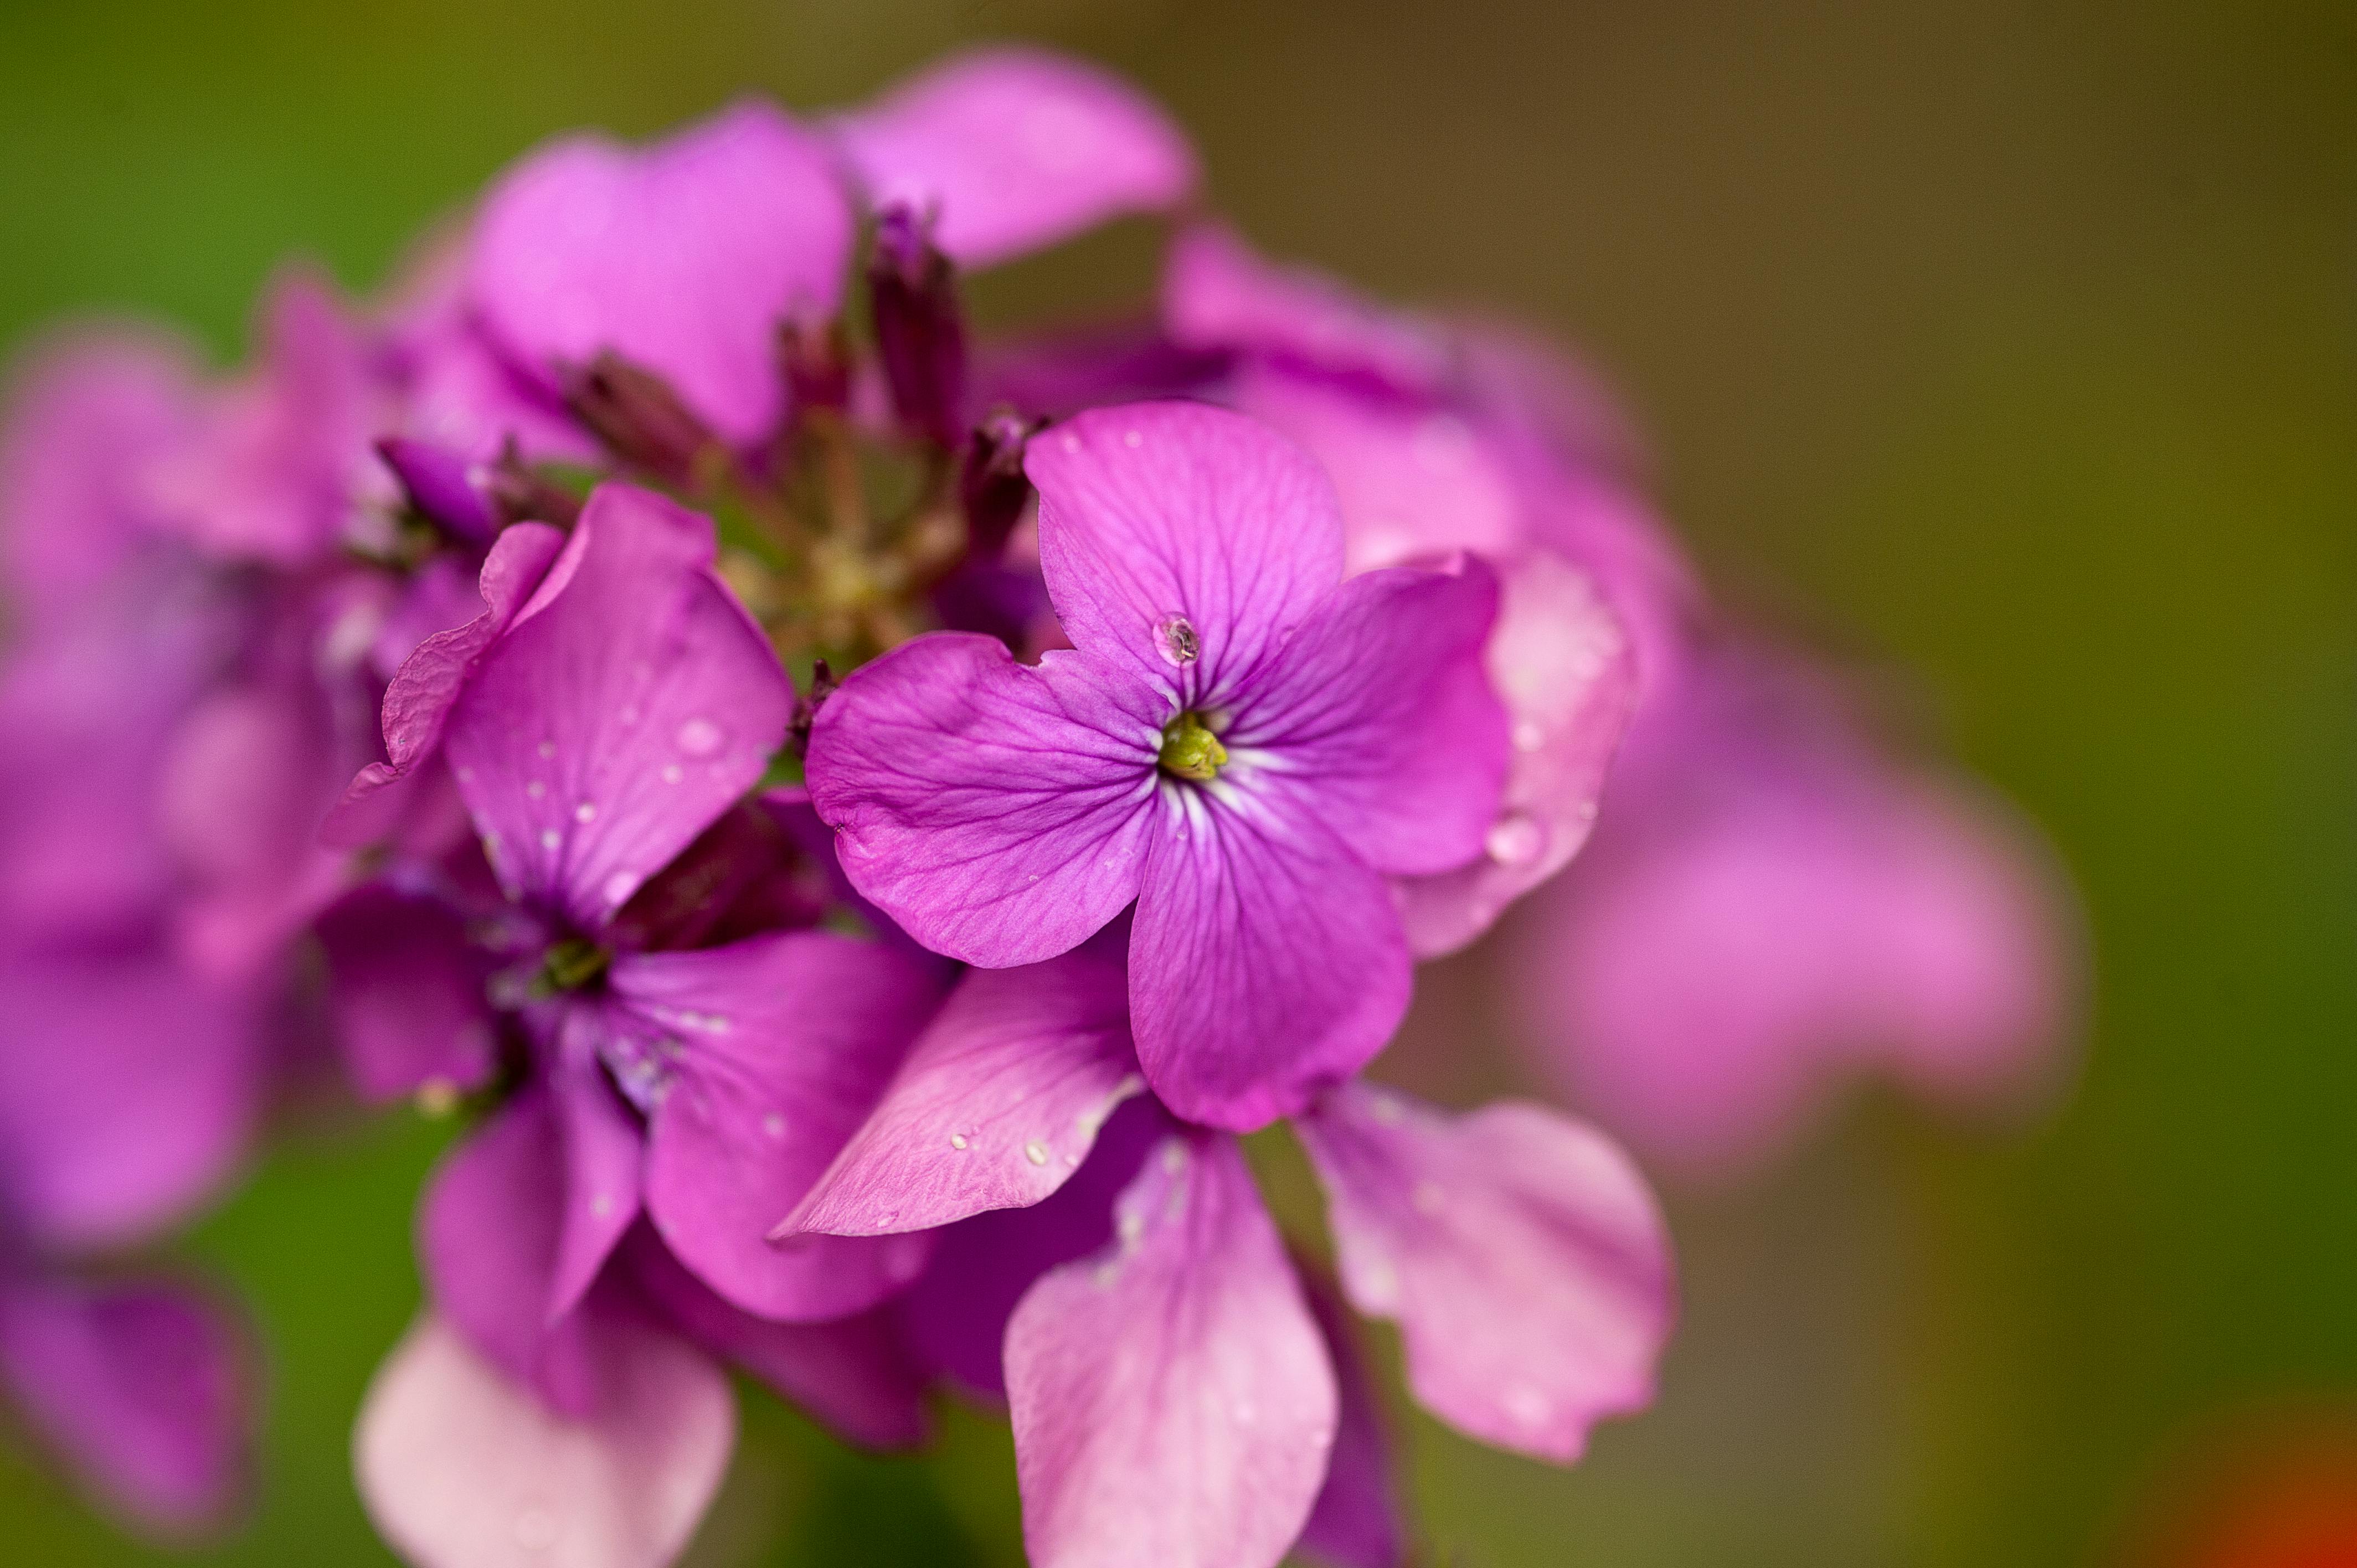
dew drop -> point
(1132, 440)
(1072, 443)
(547, 749)
(534, 790)
(1529, 736)
(1175, 638)
(774, 1125)
(957, 1141)
(1514, 839)
(698, 737)
(671, 773)
(1527, 1405)
(584, 812)
(601, 1207)
(630, 713)
(549, 838)
(1036, 1152)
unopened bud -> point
(439, 487)
(817, 362)
(518, 494)
(822, 687)
(920, 324)
(636, 415)
(992, 487)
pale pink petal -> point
(1172, 1401)
(1519, 1252)
(461, 1467)
(1568, 676)
(1016, 149)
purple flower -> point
(1915, 928)
(1240, 743)
(1175, 1397)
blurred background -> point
(2013, 347)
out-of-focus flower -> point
(1175, 1397)
(1238, 746)
(1770, 906)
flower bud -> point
(992, 487)
(440, 487)
(919, 326)
(816, 363)
(637, 415)
(519, 494)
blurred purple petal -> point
(1172, 1401)
(461, 1467)
(133, 1090)
(682, 257)
(1519, 1252)
(770, 1052)
(1016, 149)
(138, 1387)
(406, 990)
(998, 1104)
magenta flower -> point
(1915, 928)
(1240, 743)
(1175, 1398)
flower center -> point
(1190, 749)
(573, 963)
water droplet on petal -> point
(1527, 1405)
(547, 749)
(584, 812)
(1529, 736)
(671, 773)
(1132, 439)
(534, 790)
(1175, 641)
(601, 1207)
(549, 838)
(1072, 443)
(1036, 1152)
(957, 1141)
(699, 737)
(774, 1125)
(1514, 839)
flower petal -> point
(139, 1387)
(417, 703)
(628, 705)
(489, 1232)
(682, 257)
(998, 1104)
(955, 1314)
(1266, 961)
(133, 1090)
(778, 1047)
(1016, 149)
(996, 810)
(406, 993)
(83, 420)
(852, 1374)
(1568, 676)
(1380, 714)
(1163, 509)
(1172, 1401)
(1356, 1522)
(460, 1467)
(1518, 1251)
(1218, 294)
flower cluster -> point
(862, 820)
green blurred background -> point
(2013, 345)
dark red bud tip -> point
(518, 494)
(817, 360)
(919, 324)
(440, 488)
(637, 416)
(822, 687)
(991, 484)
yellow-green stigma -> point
(1190, 750)
(573, 963)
